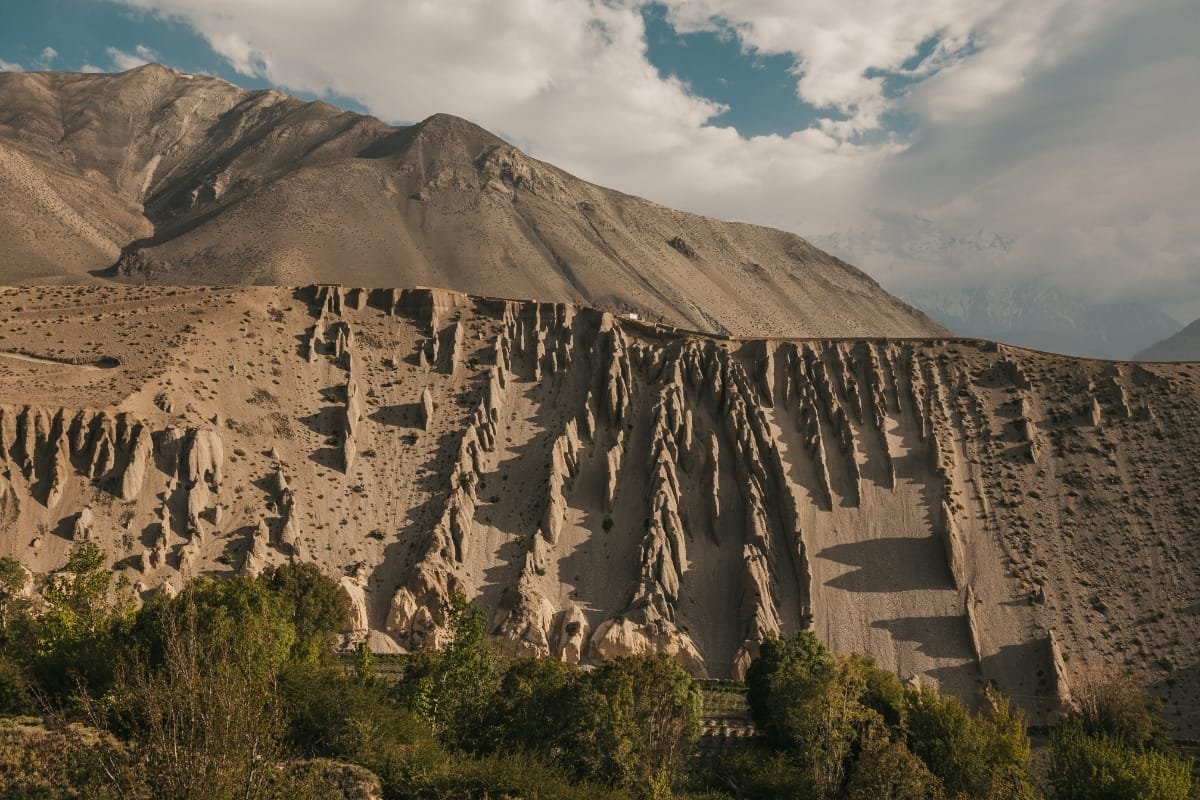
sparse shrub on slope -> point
(1116, 747)
(1116, 704)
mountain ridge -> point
(1181, 346)
(151, 175)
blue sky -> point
(904, 136)
(91, 35)
(758, 90)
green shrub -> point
(1087, 766)
(985, 755)
(319, 608)
(887, 770)
(761, 773)
(805, 699)
(635, 722)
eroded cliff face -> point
(963, 512)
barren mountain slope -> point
(963, 512)
(187, 180)
(1183, 346)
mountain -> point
(1183, 346)
(158, 176)
(1045, 318)
(953, 509)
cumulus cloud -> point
(123, 60)
(47, 58)
(1057, 127)
(9, 66)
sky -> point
(940, 146)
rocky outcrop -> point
(141, 452)
(358, 623)
(427, 408)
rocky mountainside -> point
(1183, 346)
(964, 512)
(1048, 319)
(157, 176)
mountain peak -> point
(154, 177)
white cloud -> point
(47, 57)
(123, 60)
(9, 66)
(1064, 126)
(91, 68)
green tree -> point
(202, 723)
(451, 689)
(985, 755)
(807, 700)
(887, 770)
(71, 636)
(637, 720)
(533, 709)
(14, 581)
(239, 616)
(782, 684)
(319, 607)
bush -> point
(984, 755)
(887, 770)
(636, 720)
(761, 773)
(1088, 766)
(810, 702)
(319, 608)
(534, 709)
(1118, 706)
(334, 715)
(438, 775)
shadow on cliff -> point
(886, 565)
